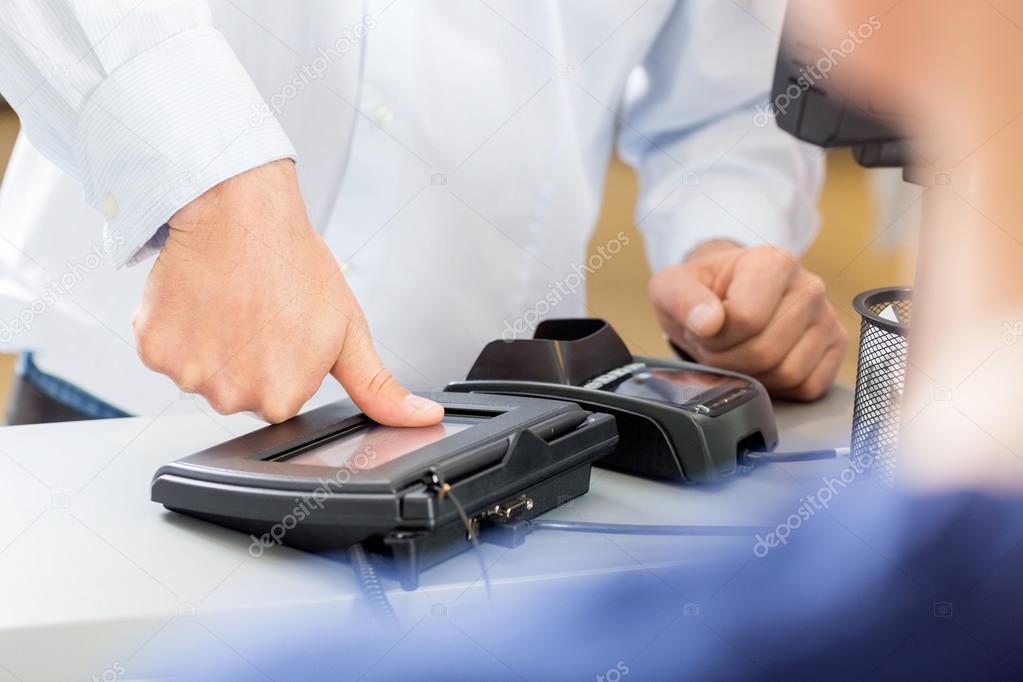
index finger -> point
(374, 389)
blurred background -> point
(869, 221)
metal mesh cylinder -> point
(880, 378)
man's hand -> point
(755, 311)
(246, 306)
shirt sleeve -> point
(696, 126)
(143, 102)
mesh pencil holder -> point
(885, 316)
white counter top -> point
(93, 574)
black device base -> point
(676, 420)
(413, 552)
(519, 458)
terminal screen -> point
(373, 445)
(675, 386)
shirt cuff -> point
(164, 128)
(736, 210)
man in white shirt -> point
(451, 159)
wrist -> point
(262, 186)
(711, 246)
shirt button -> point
(383, 115)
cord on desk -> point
(753, 458)
(371, 587)
(442, 489)
(642, 528)
(749, 459)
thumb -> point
(691, 303)
(374, 389)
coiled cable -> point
(371, 587)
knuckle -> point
(282, 406)
(814, 285)
(660, 284)
(836, 335)
(148, 355)
(840, 347)
(147, 348)
(786, 259)
(189, 378)
(747, 320)
(776, 257)
(763, 355)
(224, 407)
(276, 410)
(223, 400)
(843, 336)
(815, 306)
(788, 376)
(810, 390)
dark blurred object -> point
(806, 105)
(28, 405)
(828, 120)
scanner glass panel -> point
(373, 445)
(677, 386)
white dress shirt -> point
(452, 154)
